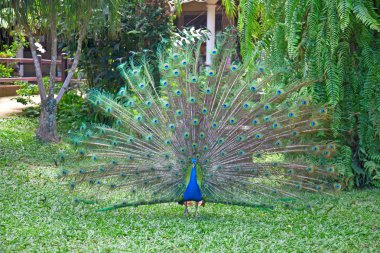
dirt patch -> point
(9, 107)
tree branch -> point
(65, 85)
(33, 49)
(37, 66)
(53, 35)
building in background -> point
(204, 14)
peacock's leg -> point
(186, 212)
(196, 208)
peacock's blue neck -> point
(193, 192)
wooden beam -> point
(30, 60)
(24, 79)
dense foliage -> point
(337, 40)
(144, 25)
(9, 45)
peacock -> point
(228, 133)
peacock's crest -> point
(225, 128)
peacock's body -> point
(218, 134)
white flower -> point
(40, 47)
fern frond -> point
(364, 15)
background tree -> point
(36, 17)
(144, 26)
(338, 39)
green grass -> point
(37, 214)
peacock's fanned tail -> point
(254, 145)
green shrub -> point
(9, 51)
(143, 27)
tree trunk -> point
(47, 129)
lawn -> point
(37, 214)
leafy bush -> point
(31, 112)
(25, 92)
(5, 71)
(73, 110)
(144, 26)
(9, 51)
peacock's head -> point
(194, 160)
